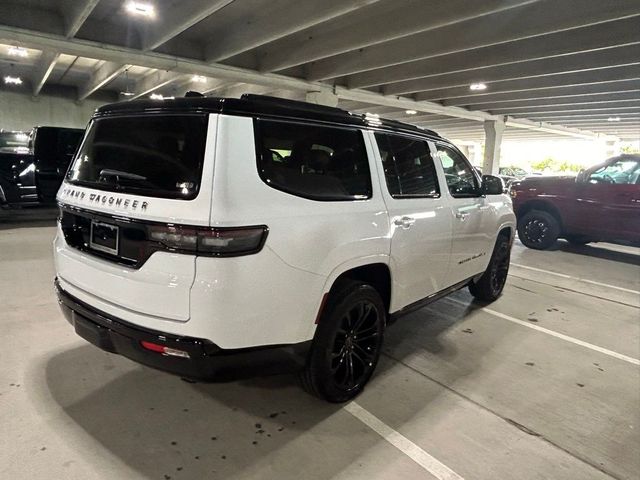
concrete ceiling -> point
(551, 67)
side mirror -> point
(492, 185)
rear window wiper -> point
(107, 172)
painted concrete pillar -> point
(493, 130)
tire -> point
(577, 240)
(538, 229)
(490, 285)
(340, 364)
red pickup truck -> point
(600, 204)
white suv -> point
(215, 237)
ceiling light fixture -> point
(140, 8)
(410, 112)
(613, 119)
(477, 86)
(199, 79)
(18, 52)
(12, 80)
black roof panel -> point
(257, 105)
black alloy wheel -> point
(347, 343)
(538, 229)
(355, 346)
(490, 285)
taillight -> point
(216, 241)
(164, 350)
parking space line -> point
(562, 336)
(402, 443)
(563, 275)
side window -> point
(622, 171)
(312, 161)
(408, 166)
(461, 179)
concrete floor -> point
(481, 393)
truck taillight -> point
(210, 241)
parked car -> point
(32, 166)
(600, 204)
(213, 237)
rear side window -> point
(156, 156)
(408, 167)
(313, 161)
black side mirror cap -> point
(492, 185)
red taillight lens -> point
(217, 241)
(155, 347)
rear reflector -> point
(154, 347)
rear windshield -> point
(156, 156)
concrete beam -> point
(179, 18)
(626, 73)
(43, 69)
(611, 98)
(580, 62)
(322, 98)
(76, 13)
(628, 106)
(157, 80)
(284, 18)
(371, 25)
(101, 77)
(594, 37)
(596, 89)
(476, 33)
(127, 56)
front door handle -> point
(462, 215)
(404, 222)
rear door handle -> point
(404, 222)
(462, 215)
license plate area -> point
(104, 237)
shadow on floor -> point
(28, 218)
(163, 427)
(597, 250)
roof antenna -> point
(193, 93)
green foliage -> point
(555, 165)
(629, 149)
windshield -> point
(156, 156)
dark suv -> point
(600, 204)
(32, 165)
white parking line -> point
(402, 443)
(596, 348)
(585, 280)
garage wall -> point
(22, 112)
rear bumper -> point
(206, 360)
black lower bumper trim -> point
(206, 360)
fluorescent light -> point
(199, 79)
(410, 112)
(613, 119)
(18, 52)
(127, 94)
(477, 86)
(12, 80)
(140, 8)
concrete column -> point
(493, 130)
(322, 97)
(612, 148)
